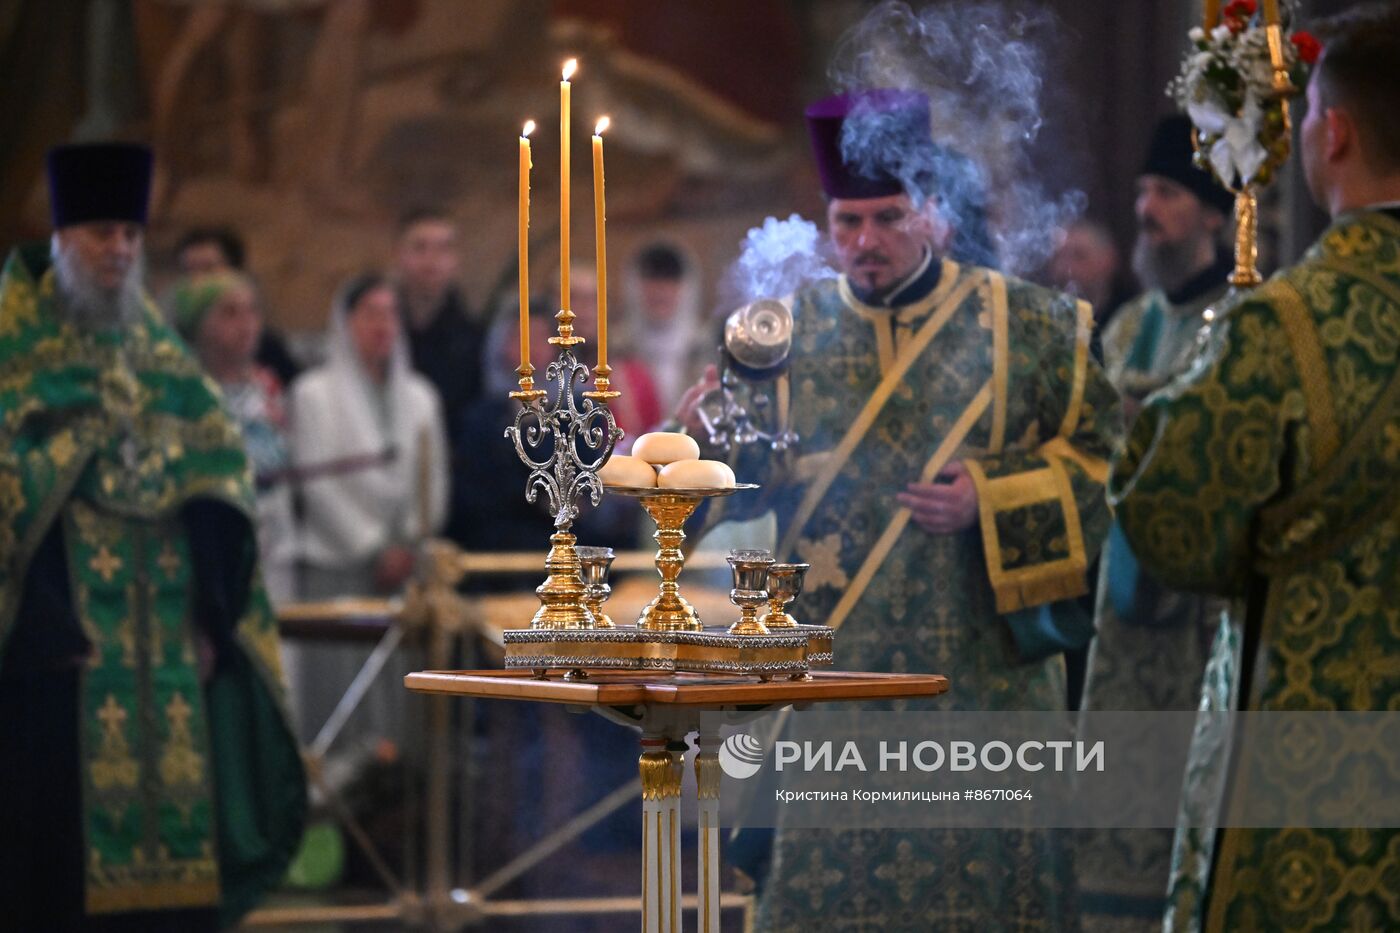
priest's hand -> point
(688, 410)
(945, 506)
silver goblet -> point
(750, 567)
(595, 564)
(784, 585)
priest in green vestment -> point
(947, 491)
(149, 781)
(1152, 640)
(1270, 473)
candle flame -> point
(570, 67)
(602, 125)
(529, 128)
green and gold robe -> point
(1270, 473)
(996, 373)
(192, 794)
(1152, 641)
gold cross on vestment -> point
(178, 711)
(169, 561)
(112, 716)
(105, 564)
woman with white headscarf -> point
(369, 460)
(369, 450)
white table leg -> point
(661, 792)
(707, 779)
(673, 819)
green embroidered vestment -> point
(193, 794)
(1270, 473)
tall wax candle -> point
(569, 68)
(600, 236)
(524, 246)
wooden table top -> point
(620, 688)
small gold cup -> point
(784, 585)
(595, 563)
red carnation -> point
(1240, 9)
(1308, 46)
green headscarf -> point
(193, 296)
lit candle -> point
(525, 243)
(569, 67)
(1212, 17)
(600, 236)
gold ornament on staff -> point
(1218, 106)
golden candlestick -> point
(566, 336)
(562, 593)
(527, 391)
(603, 389)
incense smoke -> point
(777, 259)
(981, 66)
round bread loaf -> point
(663, 447)
(627, 471)
(696, 474)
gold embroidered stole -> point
(948, 299)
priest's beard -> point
(86, 304)
(1167, 265)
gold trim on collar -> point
(881, 320)
(947, 278)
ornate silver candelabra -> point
(564, 442)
